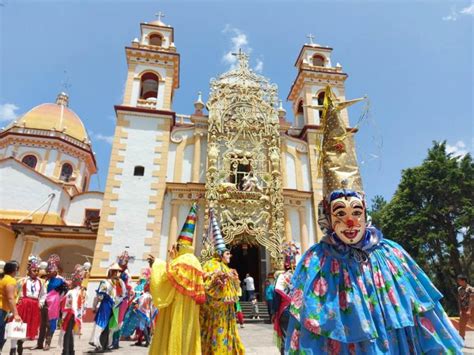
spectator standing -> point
(8, 299)
(269, 292)
(249, 287)
(255, 311)
(466, 304)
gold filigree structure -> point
(244, 146)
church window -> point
(321, 102)
(30, 160)
(91, 215)
(84, 184)
(149, 86)
(299, 119)
(239, 173)
(139, 170)
(66, 172)
(156, 40)
(318, 60)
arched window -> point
(30, 160)
(321, 102)
(84, 184)
(318, 60)
(139, 170)
(149, 86)
(66, 172)
(156, 40)
(299, 119)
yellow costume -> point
(219, 332)
(177, 289)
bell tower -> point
(315, 72)
(131, 216)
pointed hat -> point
(338, 156)
(219, 244)
(187, 233)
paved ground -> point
(257, 338)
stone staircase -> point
(262, 311)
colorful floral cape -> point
(374, 301)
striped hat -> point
(187, 233)
(216, 234)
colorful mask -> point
(348, 219)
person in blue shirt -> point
(269, 292)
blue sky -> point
(413, 60)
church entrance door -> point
(247, 259)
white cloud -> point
(468, 10)
(453, 16)
(259, 66)
(458, 150)
(8, 112)
(102, 137)
(238, 40)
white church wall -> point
(290, 171)
(295, 225)
(25, 190)
(79, 204)
(51, 163)
(310, 222)
(187, 163)
(133, 205)
(38, 152)
(166, 35)
(305, 172)
(165, 226)
(171, 162)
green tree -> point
(432, 216)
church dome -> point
(55, 116)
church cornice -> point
(323, 75)
(53, 139)
(146, 111)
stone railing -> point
(50, 134)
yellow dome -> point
(55, 117)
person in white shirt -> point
(249, 287)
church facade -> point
(237, 153)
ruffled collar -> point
(371, 239)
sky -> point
(413, 60)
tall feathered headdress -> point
(33, 262)
(53, 263)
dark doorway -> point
(246, 259)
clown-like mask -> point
(348, 218)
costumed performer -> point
(74, 308)
(122, 308)
(356, 292)
(32, 295)
(56, 287)
(281, 298)
(219, 331)
(44, 324)
(177, 289)
(107, 294)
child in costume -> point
(32, 296)
(108, 294)
(281, 299)
(239, 314)
(218, 325)
(177, 289)
(356, 292)
(56, 287)
(73, 310)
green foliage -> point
(432, 216)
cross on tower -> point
(242, 57)
(159, 15)
(311, 37)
